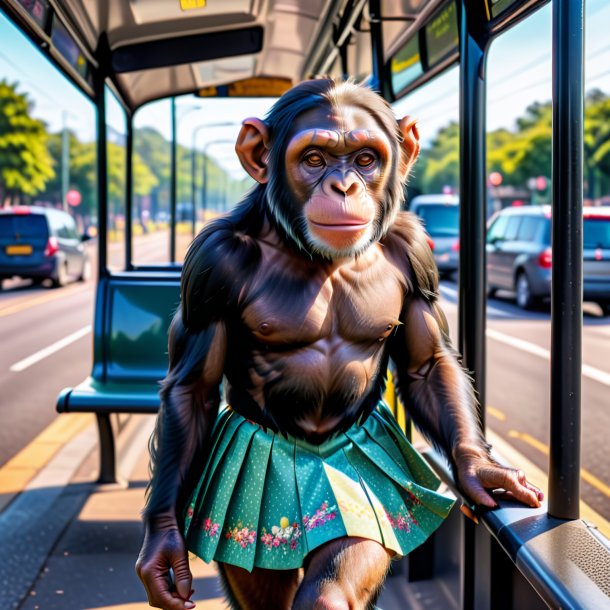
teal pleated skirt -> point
(267, 500)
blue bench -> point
(133, 311)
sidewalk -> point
(72, 545)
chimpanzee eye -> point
(314, 159)
(366, 160)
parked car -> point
(41, 243)
(441, 218)
(519, 256)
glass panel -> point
(406, 65)
(116, 131)
(53, 132)
(436, 107)
(208, 171)
(519, 153)
(151, 183)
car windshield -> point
(441, 220)
(22, 225)
(596, 233)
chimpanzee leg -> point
(260, 589)
(344, 574)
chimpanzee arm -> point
(212, 278)
(437, 391)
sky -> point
(518, 69)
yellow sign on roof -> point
(258, 86)
(187, 5)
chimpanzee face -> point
(336, 165)
(333, 161)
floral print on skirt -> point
(267, 500)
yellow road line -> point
(496, 413)
(23, 467)
(540, 446)
(27, 302)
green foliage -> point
(523, 153)
(25, 162)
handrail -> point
(566, 562)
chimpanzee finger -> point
(510, 479)
(475, 491)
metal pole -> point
(173, 186)
(129, 193)
(193, 180)
(472, 276)
(102, 175)
(566, 287)
(204, 186)
(376, 44)
(65, 160)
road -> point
(46, 345)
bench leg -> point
(107, 449)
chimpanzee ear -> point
(252, 148)
(409, 145)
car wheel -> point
(61, 279)
(491, 292)
(525, 299)
(85, 275)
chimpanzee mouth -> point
(348, 225)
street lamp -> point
(204, 188)
(174, 175)
(194, 162)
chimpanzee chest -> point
(317, 335)
(353, 304)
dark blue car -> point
(41, 243)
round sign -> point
(495, 178)
(73, 197)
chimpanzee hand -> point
(478, 473)
(163, 548)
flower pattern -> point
(403, 519)
(282, 536)
(320, 517)
(244, 536)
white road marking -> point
(452, 292)
(525, 346)
(51, 349)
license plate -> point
(18, 250)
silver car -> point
(519, 256)
(440, 215)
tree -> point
(597, 143)
(25, 162)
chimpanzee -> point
(303, 488)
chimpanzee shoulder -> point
(218, 266)
(408, 243)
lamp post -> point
(194, 162)
(204, 188)
(174, 175)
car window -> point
(497, 229)
(529, 228)
(441, 220)
(26, 225)
(596, 233)
(512, 228)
